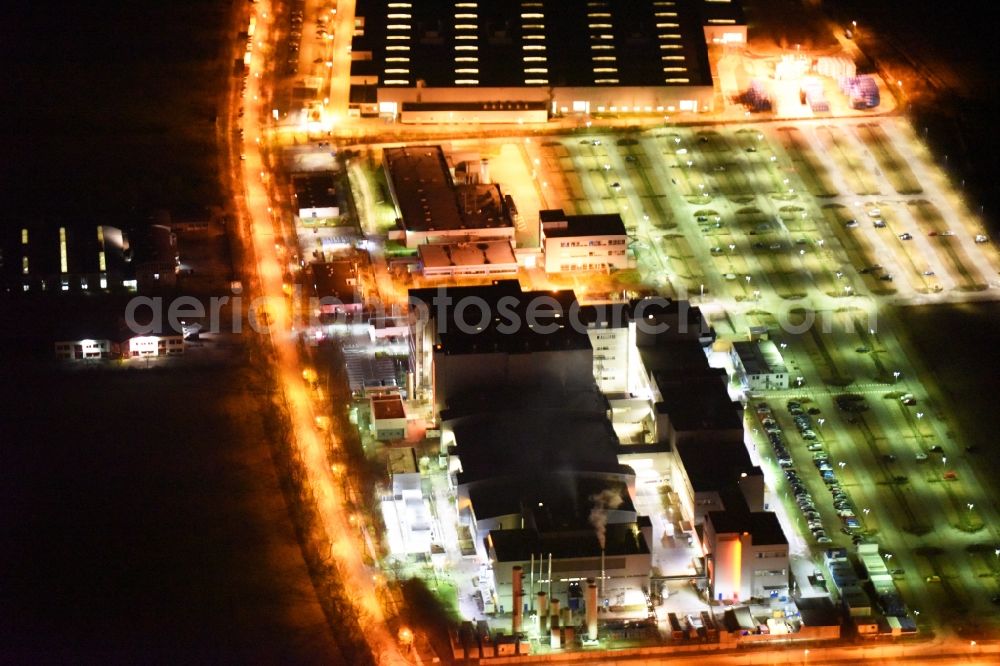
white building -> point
(574, 243)
(747, 555)
(405, 514)
(759, 365)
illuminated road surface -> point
(346, 547)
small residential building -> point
(747, 554)
(577, 243)
(477, 258)
(96, 338)
(759, 365)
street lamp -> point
(820, 421)
(895, 375)
(865, 511)
(842, 464)
(970, 505)
(784, 345)
(920, 415)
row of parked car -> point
(803, 498)
(821, 459)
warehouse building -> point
(527, 60)
(432, 208)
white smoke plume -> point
(604, 500)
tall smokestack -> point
(591, 610)
(550, 575)
(543, 612)
(531, 583)
(603, 574)
(555, 632)
(518, 600)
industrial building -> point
(64, 255)
(534, 427)
(747, 554)
(431, 207)
(316, 200)
(483, 258)
(405, 513)
(153, 254)
(458, 345)
(337, 287)
(759, 366)
(575, 243)
(523, 61)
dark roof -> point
(716, 466)
(474, 106)
(547, 501)
(317, 190)
(698, 403)
(337, 279)
(555, 224)
(712, 11)
(511, 443)
(763, 526)
(677, 358)
(818, 611)
(155, 243)
(448, 306)
(517, 545)
(583, 401)
(498, 35)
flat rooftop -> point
(715, 467)
(698, 403)
(315, 190)
(548, 501)
(515, 442)
(760, 358)
(489, 399)
(447, 305)
(337, 279)
(518, 545)
(467, 254)
(512, 44)
(387, 407)
(763, 526)
(556, 224)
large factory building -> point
(528, 60)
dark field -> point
(957, 344)
(142, 522)
(109, 107)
